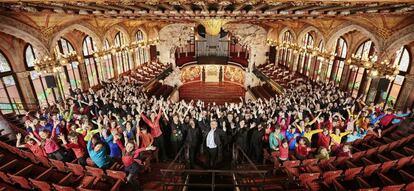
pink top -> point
(50, 145)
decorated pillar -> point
(324, 70)
(29, 99)
(83, 74)
(372, 91)
(407, 89)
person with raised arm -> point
(154, 124)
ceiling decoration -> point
(213, 26)
(191, 10)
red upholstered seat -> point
(63, 188)
(403, 161)
(293, 163)
(41, 185)
(59, 165)
(368, 170)
(22, 181)
(116, 174)
(308, 177)
(352, 172)
(76, 169)
(394, 187)
(329, 176)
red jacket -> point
(324, 140)
(155, 126)
(302, 150)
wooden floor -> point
(212, 92)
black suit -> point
(215, 154)
(193, 141)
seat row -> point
(30, 172)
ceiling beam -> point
(152, 8)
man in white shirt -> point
(212, 143)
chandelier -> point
(322, 54)
(54, 63)
(213, 26)
(125, 48)
(373, 67)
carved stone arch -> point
(156, 32)
(8, 55)
(319, 36)
(402, 37)
(282, 32)
(25, 32)
(119, 28)
(172, 36)
(144, 32)
(88, 30)
(348, 27)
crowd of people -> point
(120, 123)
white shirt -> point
(210, 139)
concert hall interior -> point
(194, 95)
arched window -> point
(109, 69)
(286, 53)
(44, 95)
(402, 59)
(70, 73)
(365, 50)
(304, 58)
(140, 52)
(89, 47)
(122, 57)
(335, 70)
(9, 90)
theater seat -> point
(394, 187)
(22, 181)
(62, 188)
(59, 165)
(350, 173)
(41, 185)
(76, 169)
(330, 176)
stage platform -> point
(219, 92)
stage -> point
(219, 92)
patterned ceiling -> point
(254, 11)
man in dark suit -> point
(214, 144)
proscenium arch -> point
(28, 36)
(88, 31)
(317, 38)
(346, 28)
(291, 32)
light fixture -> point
(213, 26)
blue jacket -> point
(291, 139)
(99, 158)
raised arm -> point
(19, 137)
(146, 120)
(89, 146)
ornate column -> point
(133, 58)
(324, 69)
(406, 90)
(372, 91)
(114, 65)
(28, 96)
(83, 74)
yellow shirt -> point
(89, 134)
(309, 134)
(336, 139)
